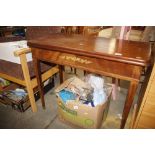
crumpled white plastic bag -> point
(97, 82)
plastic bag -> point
(97, 82)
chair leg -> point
(74, 70)
(31, 98)
(61, 73)
(71, 69)
(118, 84)
(28, 82)
(84, 72)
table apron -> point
(119, 70)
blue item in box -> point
(66, 95)
(89, 102)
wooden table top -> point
(131, 52)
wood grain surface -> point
(112, 49)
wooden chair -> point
(28, 82)
(26, 72)
(91, 30)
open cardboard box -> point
(82, 115)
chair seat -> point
(15, 70)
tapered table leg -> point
(37, 69)
(128, 103)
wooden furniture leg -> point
(28, 82)
(114, 88)
(113, 80)
(74, 70)
(61, 73)
(128, 103)
(37, 69)
(133, 116)
(71, 69)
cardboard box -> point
(80, 114)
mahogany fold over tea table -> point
(115, 58)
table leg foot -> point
(128, 103)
